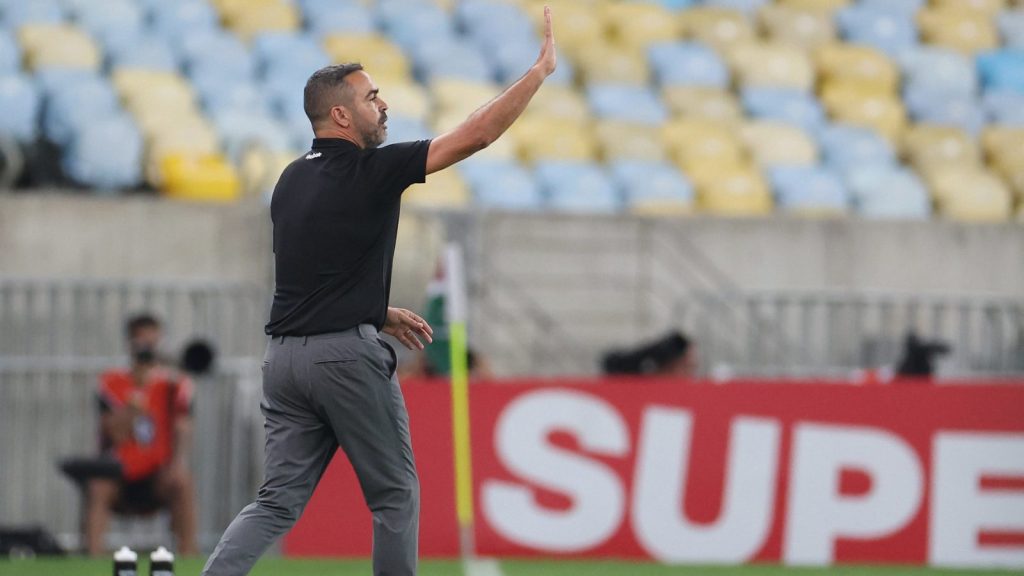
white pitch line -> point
(481, 567)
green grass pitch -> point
(287, 567)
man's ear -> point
(341, 116)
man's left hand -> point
(408, 328)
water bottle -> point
(161, 562)
(126, 562)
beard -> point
(374, 135)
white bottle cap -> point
(161, 554)
(125, 554)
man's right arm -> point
(492, 119)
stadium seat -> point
(1002, 70)
(10, 53)
(965, 30)
(220, 97)
(989, 7)
(851, 103)
(541, 138)
(809, 191)
(771, 65)
(240, 130)
(579, 24)
(415, 24)
(930, 146)
(773, 143)
(798, 26)
(176, 20)
(326, 17)
(560, 102)
(406, 99)
(153, 53)
(719, 27)
(461, 97)
(969, 194)
(106, 154)
(450, 58)
(287, 54)
(960, 111)
(14, 15)
(190, 136)
(886, 191)
(58, 46)
(785, 105)
(208, 178)
(1011, 26)
(21, 102)
(701, 148)
(492, 23)
(639, 24)
(736, 192)
(883, 27)
(626, 103)
(77, 102)
(401, 129)
(701, 102)
(502, 185)
(862, 65)
(687, 64)
(1004, 107)
(653, 188)
(626, 140)
(1006, 155)
(445, 189)
(383, 59)
(512, 58)
(604, 63)
(905, 7)
(577, 187)
(847, 148)
(939, 70)
(829, 6)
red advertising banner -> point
(800, 473)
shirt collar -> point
(322, 143)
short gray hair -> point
(322, 87)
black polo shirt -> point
(335, 216)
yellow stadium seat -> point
(929, 146)
(740, 192)
(772, 143)
(628, 141)
(828, 6)
(269, 17)
(209, 178)
(716, 26)
(383, 60)
(153, 92)
(990, 7)
(406, 99)
(639, 24)
(960, 29)
(660, 207)
(1004, 145)
(802, 27)
(548, 139)
(771, 65)
(444, 189)
(703, 102)
(579, 24)
(461, 96)
(862, 65)
(561, 102)
(58, 46)
(970, 194)
(261, 168)
(605, 63)
(703, 149)
(864, 106)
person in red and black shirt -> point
(146, 425)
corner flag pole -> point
(455, 312)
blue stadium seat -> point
(1004, 107)
(20, 101)
(627, 103)
(450, 58)
(16, 14)
(845, 148)
(1011, 26)
(511, 60)
(492, 23)
(404, 129)
(642, 181)
(747, 6)
(116, 18)
(502, 185)
(678, 4)
(217, 54)
(415, 23)
(577, 187)
(295, 56)
(152, 53)
(909, 7)
(325, 17)
(961, 111)
(239, 130)
(217, 97)
(885, 191)
(1002, 70)
(74, 100)
(10, 53)
(182, 19)
(785, 105)
(887, 28)
(687, 64)
(808, 189)
(939, 70)
(106, 154)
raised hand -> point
(548, 59)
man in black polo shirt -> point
(328, 379)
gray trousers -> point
(321, 392)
